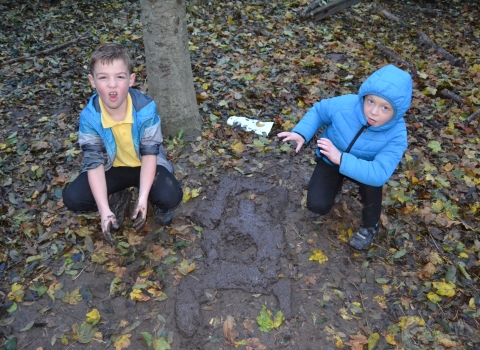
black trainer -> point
(119, 202)
(363, 238)
(162, 217)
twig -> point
(474, 114)
(85, 35)
(194, 277)
(26, 345)
(80, 272)
(396, 57)
(298, 234)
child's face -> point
(377, 110)
(112, 82)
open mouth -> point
(113, 96)
(371, 121)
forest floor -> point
(244, 263)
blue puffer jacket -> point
(378, 150)
(98, 144)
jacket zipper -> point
(356, 137)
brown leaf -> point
(248, 325)
(254, 344)
(229, 330)
(427, 271)
(357, 341)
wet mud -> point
(244, 248)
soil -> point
(253, 251)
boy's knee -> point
(319, 208)
(69, 201)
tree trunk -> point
(169, 71)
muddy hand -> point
(108, 225)
(139, 217)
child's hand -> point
(328, 149)
(139, 216)
(109, 224)
(292, 136)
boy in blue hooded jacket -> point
(121, 139)
(364, 140)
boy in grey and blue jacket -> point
(121, 140)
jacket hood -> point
(392, 84)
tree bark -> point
(169, 71)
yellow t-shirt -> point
(122, 131)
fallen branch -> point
(451, 95)
(397, 58)
(415, 8)
(474, 114)
(425, 39)
(327, 10)
(85, 35)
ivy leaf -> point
(267, 321)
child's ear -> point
(132, 79)
(92, 81)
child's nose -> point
(112, 83)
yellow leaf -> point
(319, 256)
(195, 192)
(187, 194)
(184, 267)
(123, 342)
(463, 255)
(288, 125)
(72, 298)
(137, 295)
(372, 341)
(93, 317)
(146, 273)
(205, 86)
(301, 103)
(407, 321)
(433, 297)
(446, 289)
(52, 289)
(390, 339)
(238, 146)
(17, 293)
(381, 300)
(3, 146)
(339, 343)
(230, 20)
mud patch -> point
(244, 246)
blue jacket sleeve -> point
(375, 172)
(319, 115)
(152, 138)
(92, 145)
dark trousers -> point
(166, 192)
(324, 185)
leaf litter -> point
(261, 62)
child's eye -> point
(385, 108)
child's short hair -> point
(109, 52)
